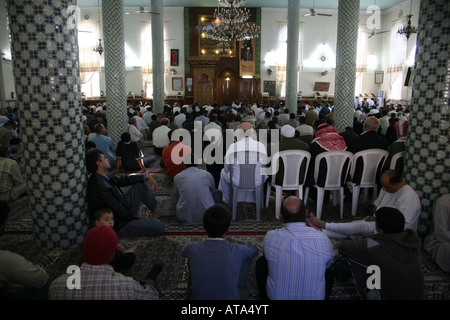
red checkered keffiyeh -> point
(328, 138)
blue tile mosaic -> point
(45, 66)
(428, 135)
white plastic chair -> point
(292, 162)
(338, 165)
(396, 157)
(247, 171)
(373, 161)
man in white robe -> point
(246, 142)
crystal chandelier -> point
(230, 23)
(408, 30)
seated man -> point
(173, 155)
(219, 269)
(12, 184)
(395, 194)
(296, 258)
(369, 139)
(104, 192)
(437, 243)
(246, 142)
(134, 132)
(191, 204)
(160, 138)
(131, 156)
(395, 251)
(104, 143)
(398, 146)
(19, 278)
(288, 142)
(98, 280)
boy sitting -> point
(219, 269)
(124, 258)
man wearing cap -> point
(288, 142)
(96, 279)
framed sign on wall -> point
(177, 83)
(379, 76)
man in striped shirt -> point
(297, 258)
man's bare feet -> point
(313, 220)
(158, 213)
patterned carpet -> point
(173, 281)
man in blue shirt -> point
(219, 269)
(190, 205)
(296, 258)
(105, 144)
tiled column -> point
(292, 55)
(347, 39)
(427, 156)
(116, 91)
(46, 74)
(158, 56)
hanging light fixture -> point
(99, 48)
(230, 23)
(408, 29)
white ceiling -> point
(318, 4)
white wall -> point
(316, 32)
(133, 25)
(6, 72)
(389, 16)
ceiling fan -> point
(373, 33)
(313, 12)
(142, 10)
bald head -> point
(292, 204)
(293, 210)
(371, 124)
(245, 126)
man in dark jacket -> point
(394, 253)
(369, 139)
(104, 192)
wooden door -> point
(204, 85)
(227, 86)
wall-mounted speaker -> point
(408, 77)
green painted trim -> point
(187, 66)
(258, 43)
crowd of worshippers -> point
(297, 261)
(389, 230)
